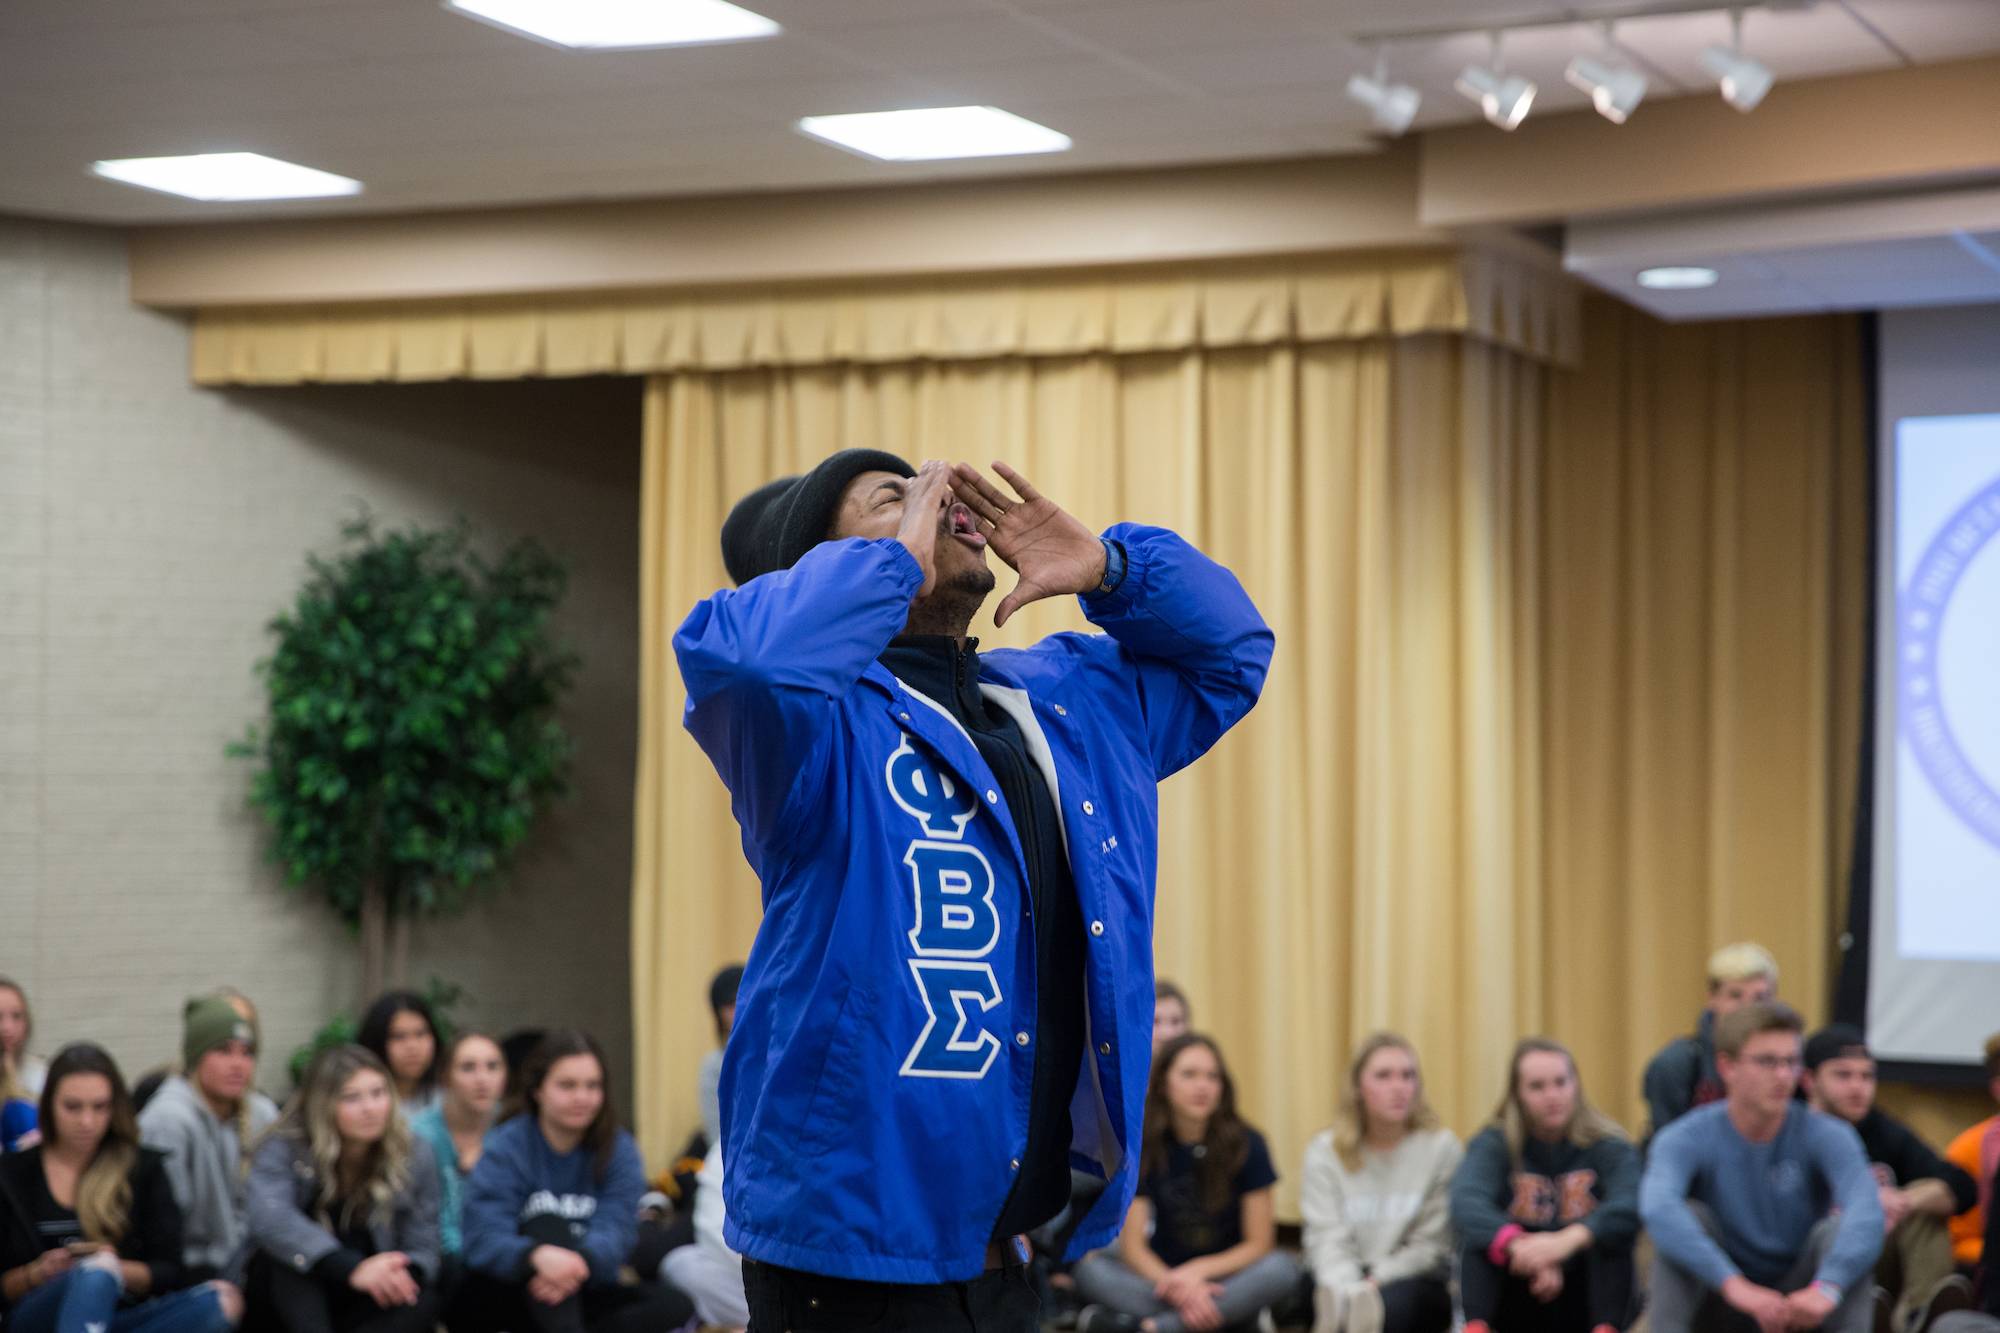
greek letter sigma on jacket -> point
(875, 1088)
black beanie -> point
(770, 528)
(1836, 1041)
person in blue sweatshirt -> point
(552, 1210)
(950, 999)
(1764, 1213)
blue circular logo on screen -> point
(1925, 721)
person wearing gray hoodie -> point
(204, 1121)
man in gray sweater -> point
(1763, 1213)
(204, 1121)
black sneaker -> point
(1950, 1294)
(1098, 1319)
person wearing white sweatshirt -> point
(1376, 1200)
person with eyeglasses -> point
(1763, 1212)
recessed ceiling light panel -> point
(601, 25)
(932, 133)
(1677, 278)
(226, 177)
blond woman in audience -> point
(1546, 1204)
(1376, 1200)
(21, 1074)
(343, 1208)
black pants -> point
(284, 1298)
(784, 1300)
(1597, 1289)
(485, 1304)
(1416, 1305)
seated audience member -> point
(1198, 1249)
(1919, 1190)
(343, 1212)
(21, 1074)
(474, 1075)
(1171, 1015)
(205, 1121)
(552, 1209)
(709, 1271)
(515, 1048)
(1683, 1075)
(1977, 1153)
(90, 1236)
(1763, 1212)
(399, 1029)
(722, 1003)
(1546, 1204)
(1376, 1200)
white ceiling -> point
(432, 110)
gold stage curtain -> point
(1705, 585)
(967, 317)
(1565, 691)
(1365, 848)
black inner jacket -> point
(949, 676)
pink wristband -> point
(1496, 1253)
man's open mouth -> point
(965, 527)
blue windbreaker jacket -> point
(875, 1087)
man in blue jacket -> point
(949, 1002)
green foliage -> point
(340, 1030)
(412, 736)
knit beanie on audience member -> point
(770, 528)
(1834, 1042)
(208, 1022)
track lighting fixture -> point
(1744, 81)
(1504, 98)
(1392, 105)
(1614, 86)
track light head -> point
(1744, 81)
(1503, 98)
(1615, 89)
(1392, 105)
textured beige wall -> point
(148, 530)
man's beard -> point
(953, 603)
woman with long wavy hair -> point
(90, 1236)
(1375, 1200)
(344, 1207)
(1197, 1250)
(1547, 1206)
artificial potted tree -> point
(412, 737)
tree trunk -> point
(399, 949)
(374, 938)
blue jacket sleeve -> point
(1477, 1188)
(764, 665)
(1663, 1204)
(494, 1193)
(1200, 649)
(1838, 1154)
(614, 1227)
